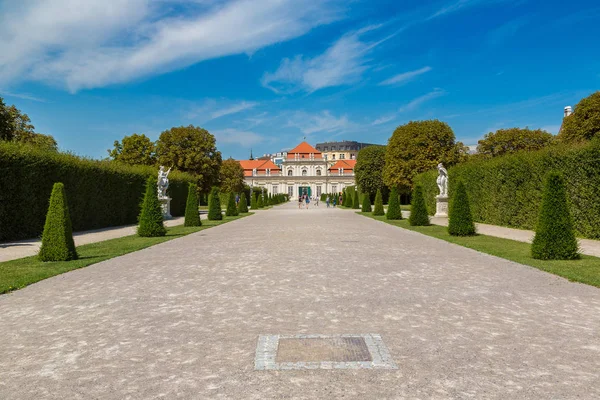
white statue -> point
(163, 182)
(442, 180)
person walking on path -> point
(317, 201)
(237, 199)
(327, 200)
(307, 201)
(299, 202)
(334, 200)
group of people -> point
(336, 201)
(306, 199)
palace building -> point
(345, 150)
(303, 171)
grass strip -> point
(585, 270)
(16, 274)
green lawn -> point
(586, 270)
(17, 274)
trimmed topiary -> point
(355, 201)
(254, 202)
(192, 216)
(243, 205)
(394, 212)
(345, 198)
(554, 235)
(418, 210)
(460, 220)
(261, 203)
(57, 239)
(214, 205)
(151, 217)
(232, 210)
(378, 210)
(366, 203)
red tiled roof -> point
(259, 166)
(345, 164)
(304, 148)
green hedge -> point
(100, 193)
(507, 190)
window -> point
(342, 156)
(333, 156)
(254, 172)
(318, 172)
(341, 171)
(290, 191)
(318, 191)
(268, 171)
(334, 188)
(302, 155)
(304, 172)
(290, 172)
(325, 157)
(275, 189)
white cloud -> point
(93, 43)
(211, 109)
(234, 109)
(24, 96)
(405, 76)
(417, 102)
(322, 122)
(237, 136)
(383, 120)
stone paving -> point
(181, 320)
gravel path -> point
(182, 319)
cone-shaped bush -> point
(554, 236)
(232, 210)
(378, 210)
(151, 217)
(253, 202)
(418, 210)
(394, 211)
(261, 203)
(355, 201)
(192, 217)
(214, 205)
(243, 205)
(57, 239)
(345, 198)
(460, 220)
(366, 203)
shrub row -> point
(507, 190)
(99, 193)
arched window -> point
(304, 172)
(318, 172)
(290, 172)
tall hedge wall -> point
(507, 190)
(100, 193)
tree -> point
(254, 201)
(6, 129)
(460, 220)
(418, 209)
(355, 201)
(394, 211)
(232, 210)
(16, 126)
(554, 236)
(366, 203)
(368, 171)
(243, 204)
(57, 239)
(231, 176)
(151, 217)
(192, 217)
(134, 150)
(506, 141)
(214, 205)
(378, 210)
(261, 202)
(584, 123)
(418, 147)
(191, 149)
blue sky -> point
(264, 74)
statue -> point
(442, 180)
(163, 182)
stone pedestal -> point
(165, 204)
(441, 206)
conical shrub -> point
(214, 205)
(366, 203)
(254, 201)
(151, 216)
(57, 239)
(355, 201)
(554, 235)
(378, 210)
(243, 205)
(394, 211)
(460, 220)
(232, 210)
(345, 198)
(418, 209)
(192, 216)
(261, 203)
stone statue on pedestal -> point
(441, 200)
(163, 185)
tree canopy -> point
(418, 147)
(134, 150)
(506, 141)
(368, 171)
(584, 123)
(191, 149)
(231, 176)
(16, 126)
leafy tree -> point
(378, 210)
(460, 220)
(254, 201)
(57, 239)
(261, 203)
(231, 176)
(418, 209)
(16, 126)
(554, 236)
(584, 123)
(6, 128)
(368, 171)
(355, 201)
(214, 205)
(151, 217)
(134, 150)
(506, 141)
(191, 149)
(394, 211)
(366, 203)
(418, 147)
(243, 204)
(192, 217)
(232, 210)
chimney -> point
(568, 111)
